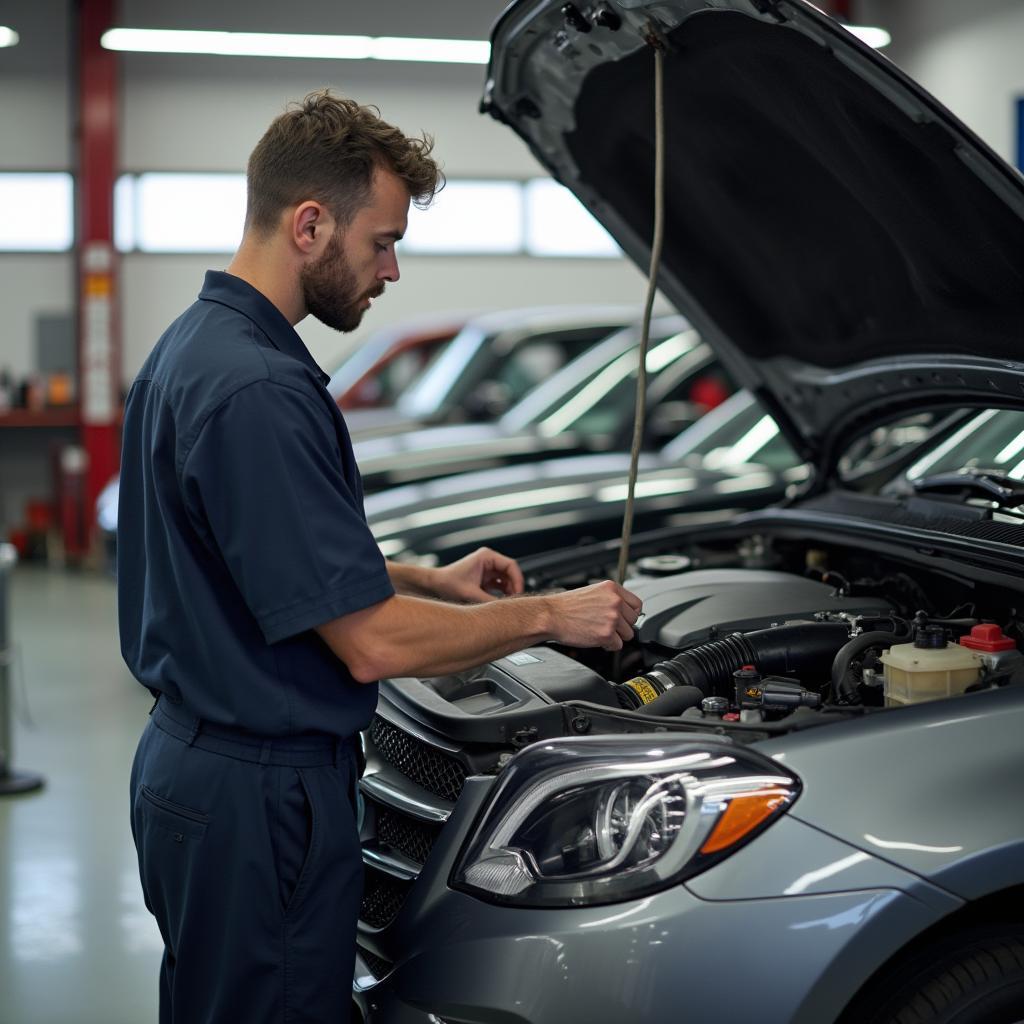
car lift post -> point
(98, 317)
(11, 781)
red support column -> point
(99, 347)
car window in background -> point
(600, 402)
(362, 379)
(737, 432)
(389, 379)
(516, 374)
(675, 377)
(887, 445)
(480, 374)
(490, 393)
(992, 439)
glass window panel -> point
(987, 441)
(36, 212)
(469, 217)
(558, 224)
(124, 213)
(189, 212)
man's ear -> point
(311, 227)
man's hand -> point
(601, 615)
(472, 579)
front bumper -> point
(673, 957)
(730, 945)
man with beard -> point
(254, 603)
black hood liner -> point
(806, 213)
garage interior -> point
(76, 941)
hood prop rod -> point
(657, 44)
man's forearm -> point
(410, 636)
(403, 636)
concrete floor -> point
(77, 945)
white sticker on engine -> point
(522, 658)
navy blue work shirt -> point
(241, 524)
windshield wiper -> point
(975, 482)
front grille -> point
(378, 966)
(426, 766)
(383, 897)
(407, 836)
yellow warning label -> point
(98, 285)
(643, 689)
(753, 691)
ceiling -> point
(45, 26)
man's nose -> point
(388, 267)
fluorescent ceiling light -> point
(8, 37)
(267, 44)
(874, 37)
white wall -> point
(969, 55)
(170, 122)
(157, 288)
(35, 135)
(30, 284)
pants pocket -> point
(297, 838)
(179, 821)
(168, 836)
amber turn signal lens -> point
(745, 812)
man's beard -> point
(331, 291)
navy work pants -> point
(250, 862)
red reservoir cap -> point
(987, 637)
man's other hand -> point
(475, 578)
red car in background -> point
(380, 368)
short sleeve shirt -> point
(241, 524)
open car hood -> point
(847, 246)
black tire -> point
(970, 978)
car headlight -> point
(584, 820)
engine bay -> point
(750, 635)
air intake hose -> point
(802, 649)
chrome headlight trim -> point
(592, 820)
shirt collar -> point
(239, 295)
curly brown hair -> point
(327, 148)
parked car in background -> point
(494, 360)
(585, 406)
(792, 797)
(734, 454)
(381, 367)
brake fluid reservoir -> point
(928, 669)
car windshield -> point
(495, 367)
(737, 433)
(405, 368)
(989, 440)
(600, 400)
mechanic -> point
(253, 601)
